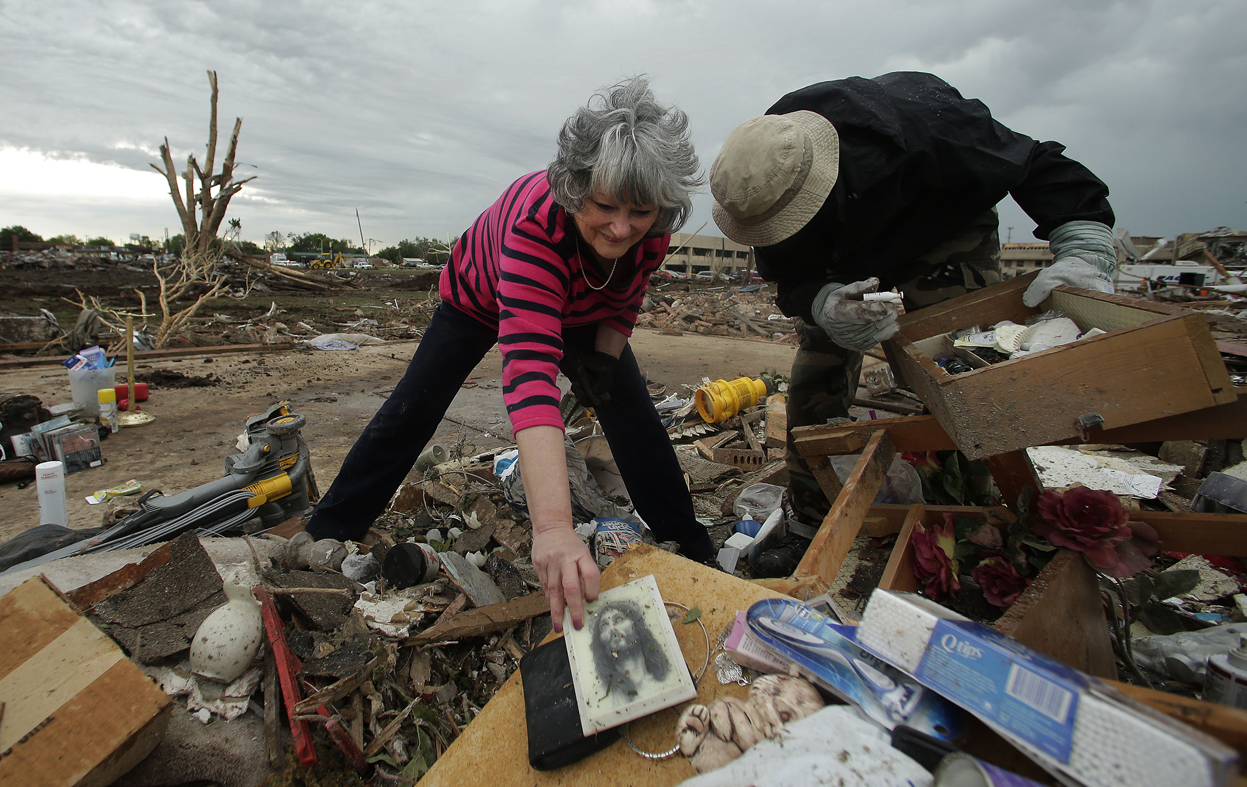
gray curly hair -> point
(626, 145)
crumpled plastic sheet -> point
(342, 341)
(834, 746)
(1184, 656)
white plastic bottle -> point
(1226, 679)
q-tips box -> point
(1069, 722)
(1152, 360)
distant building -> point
(692, 254)
(1019, 258)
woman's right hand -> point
(568, 575)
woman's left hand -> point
(568, 575)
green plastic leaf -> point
(1174, 583)
(692, 616)
(1161, 619)
(1137, 590)
(1035, 543)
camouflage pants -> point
(824, 374)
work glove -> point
(1082, 256)
(592, 375)
(851, 322)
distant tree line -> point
(432, 251)
(23, 235)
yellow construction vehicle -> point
(327, 261)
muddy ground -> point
(201, 402)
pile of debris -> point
(743, 312)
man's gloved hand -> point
(1082, 256)
(592, 375)
(851, 322)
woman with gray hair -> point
(554, 273)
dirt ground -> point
(196, 427)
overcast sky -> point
(418, 114)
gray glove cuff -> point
(1091, 241)
(820, 300)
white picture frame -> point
(626, 662)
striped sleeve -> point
(518, 267)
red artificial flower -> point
(922, 460)
(934, 565)
(1085, 520)
(1095, 523)
(1000, 581)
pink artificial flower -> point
(1000, 581)
(1085, 520)
(934, 565)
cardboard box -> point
(1069, 722)
(76, 711)
(1155, 360)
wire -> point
(704, 665)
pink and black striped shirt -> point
(518, 267)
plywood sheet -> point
(493, 750)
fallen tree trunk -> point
(309, 280)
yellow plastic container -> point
(721, 399)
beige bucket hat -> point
(772, 175)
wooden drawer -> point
(1155, 360)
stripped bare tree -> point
(202, 209)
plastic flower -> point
(1096, 523)
(1085, 520)
(1000, 581)
(1135, 553)
(933, 559)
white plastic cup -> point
(50, 484)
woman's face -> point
(612, 227)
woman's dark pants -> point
(453, 345)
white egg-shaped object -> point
(227, 641)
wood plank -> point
(148, 355)
(924, 433)
(776, 421)
(800, 588)
(1061, 615)
(899, 573)
(1205, 534)
(835, 537)
(826, 476)
(1228, 725)
(912, 433)
(483, 620)
(1013, 472)
(980, 307)
(497, 736)
(1209, 355)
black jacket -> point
(918, 162)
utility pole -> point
(362, 242)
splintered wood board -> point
(77, 712)
(1156, 361)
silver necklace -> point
(584, 269)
